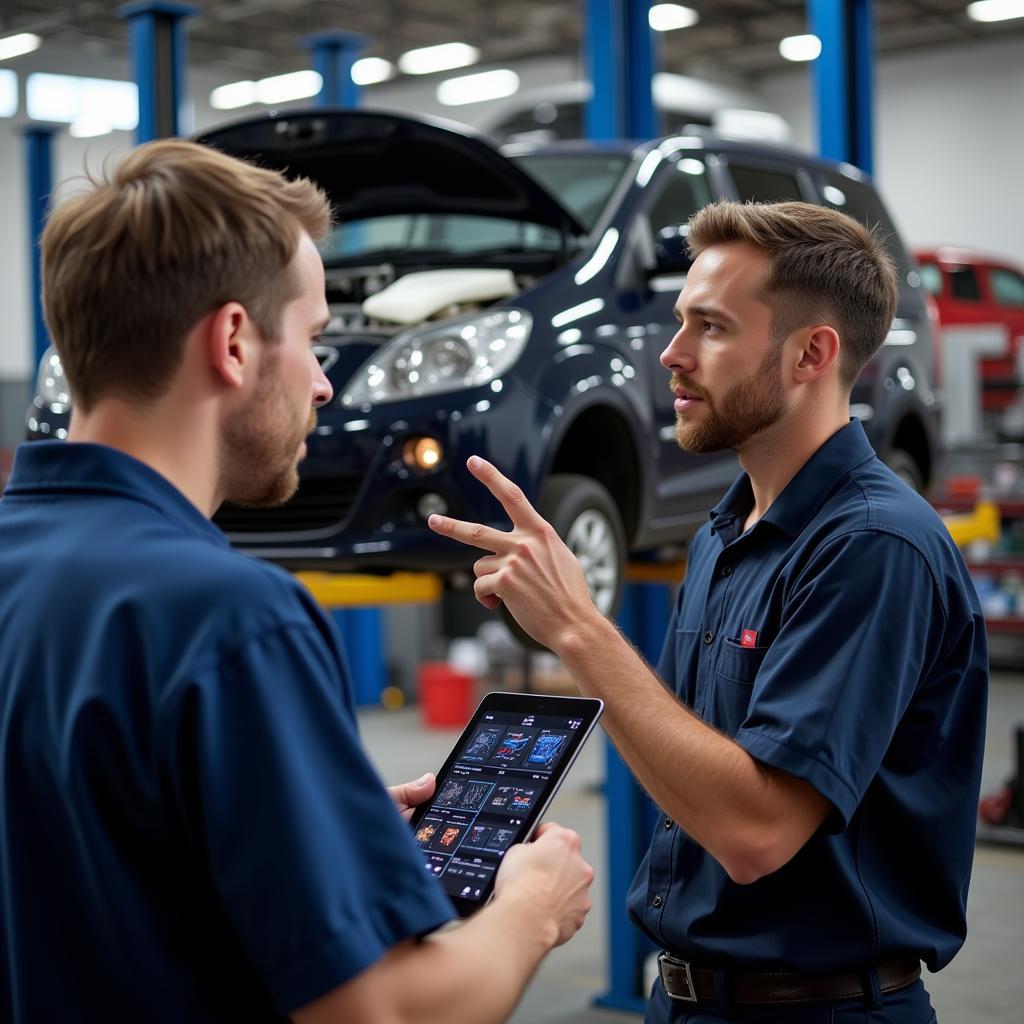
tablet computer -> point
(495, 786)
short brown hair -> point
(172, 233)
(823, 266)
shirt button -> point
(656, 902)
(709, 637)
(726, 570)
(668, 823)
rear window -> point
(758, 185)
(583, 182)
(1007, 287)
(861, 202)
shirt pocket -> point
(734, 683)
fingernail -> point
(474, 462)
(433, 520)
(422, 780)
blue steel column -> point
(334, 53)
(38, 147)
(158, 63)
(631, 815)
(843, 77)
(619, 61)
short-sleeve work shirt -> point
(189, 829)
(839, 640)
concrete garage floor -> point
(985, 983)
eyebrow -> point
(711, 312)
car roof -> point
(957, 255)
(693, 138)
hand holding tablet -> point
(495, 786)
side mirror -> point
(671, 252)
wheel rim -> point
(592, 540)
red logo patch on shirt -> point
(748, 638)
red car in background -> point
(972, 288)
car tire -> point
(588, 520)
(902, 463)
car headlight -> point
(453, 356)
(51, 384)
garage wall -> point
(948, 146)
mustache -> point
(311, 423)
(678, 381)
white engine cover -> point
(416, 297)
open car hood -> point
(375, 164)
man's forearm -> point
(749, 818)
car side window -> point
(861, 202)
(931, 278)
(684, 191)
(759, 185)
(963, 284)
(1007, 287)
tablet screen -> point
(495, 786)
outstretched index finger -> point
(474, 534)
(513, 501)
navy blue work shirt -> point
(839, 640)
(189, 829)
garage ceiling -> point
(738, 37)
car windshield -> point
(422, 235)
(581, 182)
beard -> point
(747, 408)
(259, 449)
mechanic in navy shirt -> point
(189, 830)
(816, 747)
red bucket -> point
(446, 695)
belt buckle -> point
(675, 974)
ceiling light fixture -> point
(669, 17)
(800, 47)
(371, 70)
(235, 94)
(296, 85)
(445, 57)
(995, 10)
(17, 46)
(488, 85)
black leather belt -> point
(683, 980)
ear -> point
(228, 336)
(819, 352)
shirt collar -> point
(67, 467)
(807, 491)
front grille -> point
(316, 505)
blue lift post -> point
(362, 629)
(334, 53)
(619, 57)
(844, 79)
(158, 61)
(39, 154)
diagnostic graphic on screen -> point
(495, 786)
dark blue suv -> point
(514, 304)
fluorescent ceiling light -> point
(16, 46)
(996, 10)
(800, 47)
(88, 126)
(298, 85)
(236, 94)
(429, 59)
(8, 93)
(65, 99)
(488, 85)
(667, 17)
(371, 70)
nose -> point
(322, 390)
(677, 356)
